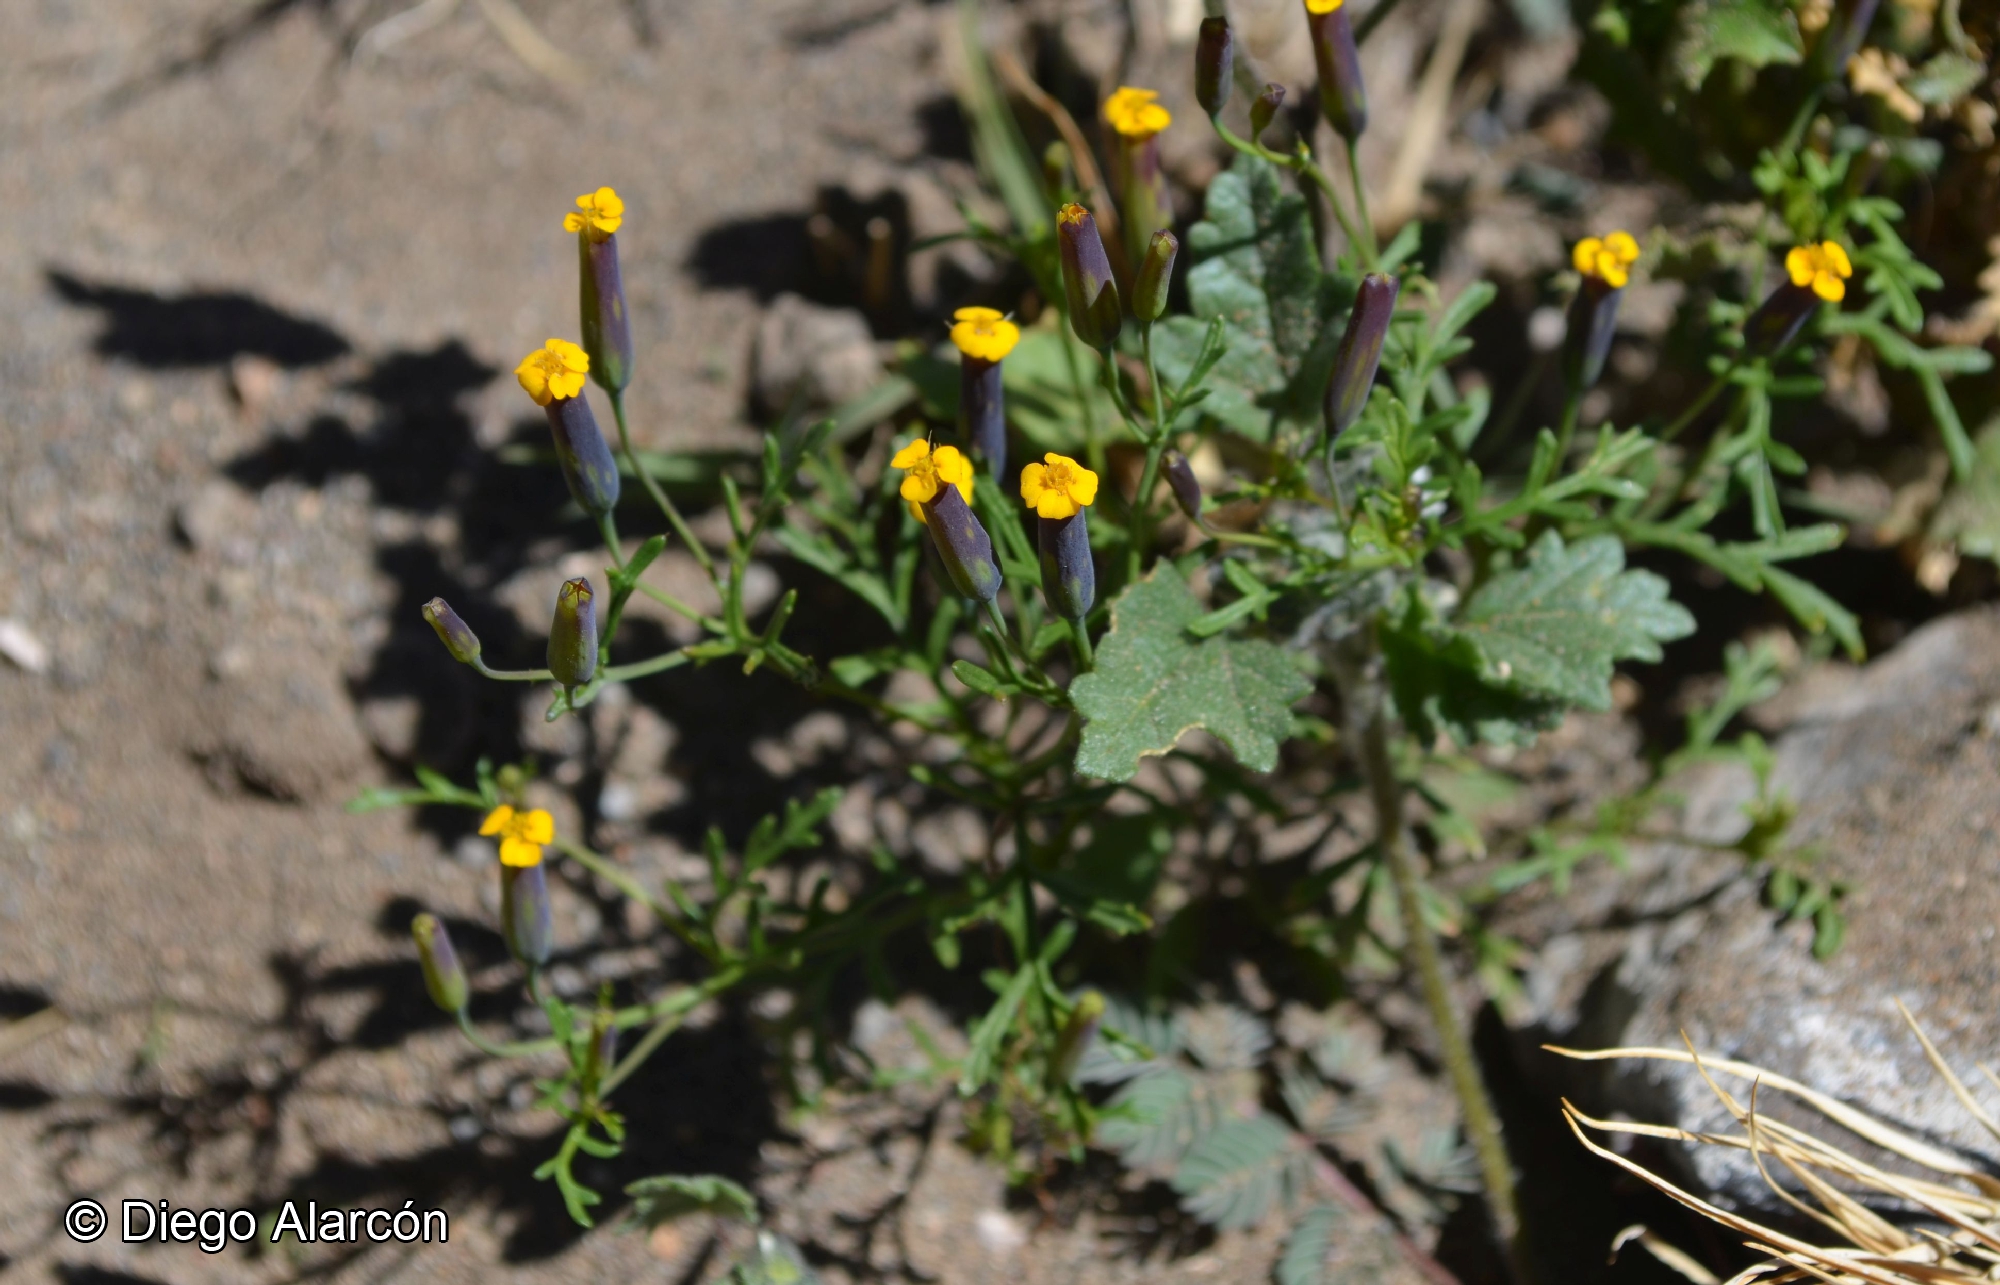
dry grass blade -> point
(1868, 1249)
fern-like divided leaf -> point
(672, 1195)
(1240, 1171)
(1223, 1037)
(1304, 1259)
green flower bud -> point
(1069, 577)
(962, 545)
(1341, 95)
(1360, 353)
(1094, 309)
(444, 976)
(1075, 1037)
(585, 457)
(1214, 65)
(525, 918)
(573, 634)
(1264, 109)
(1156, 274)
(454, 633)
(1185, 486)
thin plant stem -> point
(607, 528)
(1149, 476)
(631, 887)
(512, 675)
(677, 1007)
(1079, 637)
(1303, 165)
(1370, 253)
(525, 1048)
(1482, 1123)
(1093, 440)
(1696, 407)
(1572, 405)
(653, 488)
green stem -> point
(1372, 255)
(1700, 404)
(1572, 404)
(1093, 443)
(1149, 476)
(631, 887)
(526, 1048)
(1079, 637)
(640, 668)
(653, 488)
(512, 675)
(676, 1007)
(1303, 165)
(607, 529)
(682, 609)
(1482, 1123)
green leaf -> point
(992, 1031)
(1970, 514)
(1154, 683)
(669, 1196)
(1555, 627)
(1313, 1241)
(1757, 33)
(1236, 1174)
(983, 680)
(1815, 609)
(1438, 679)
(1945, 79)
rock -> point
(23, 648)
(1893, 771)
(281, 725)
(825, 354)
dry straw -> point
(1947, 1230)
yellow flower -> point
(1323, 6)
(522, 834)
(1058, 488)
(1609, 259)
(598, 213)
(1824, 267)
(554, 370)
(1136, 113)
(984, 333)
(927, 470)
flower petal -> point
(909, 455)
(1829, 287)
(1054, 504)
(1034, 482)
(496, 820)
(538, 827)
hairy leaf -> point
(1439, 681)
(1757, 33)
(1154, 682)
(669, 1196)
(1236, 1174)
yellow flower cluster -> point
(1825, 267)
(522, 834)
(926, 470)
(984, 333)
(1058, 487)
(599, 213)
(1609, 259)
(1136, 113)
(553, 371)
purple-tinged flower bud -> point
(1094, 310)
(983, 338)
(1156, 274)
(1341, 95)
(1069, 577)
(962, 544)
(525, 919)
(453, 632)
(1214, 65)
(1360, 353)
(1075, 1037)
(1185, 486)
(1145, 203)
(444, 975)
(585, 457)
(573, 634)
(1845, 30)
(1606, 265)
(606, 335)
(1814, 273)
(1264, 109)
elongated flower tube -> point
(1061, 491)
(1816, 274)
(1095, 313)
(1264, 110)
(983, 338)
(1341, 95)
(1145, 204)
(937, 485)
(1156, 275)
(444, 975)
(1360, 353)
(1606, 266)
(1214, 65)
(607, 334)
(453, 632)
(553, 376)
(1184, 484)
(1841, 39)
(525, 919)
(573, 635)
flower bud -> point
(962, 544)
(585, 457)
(1185, 486)
(1145, 203)
(444, 976)
(525, 918)
(1214, 65)
(1841, 39)
(1360, 353)
(1816, 273)
(607, 335)
(454, 633)
(573, 634)
(983, 338)
(1069, 577)
(1075, 1037)
(1593, 322)
(1341, 95)
(1095, 313)
(1156, 274)
(1264, 109)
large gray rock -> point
(1896, 771)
